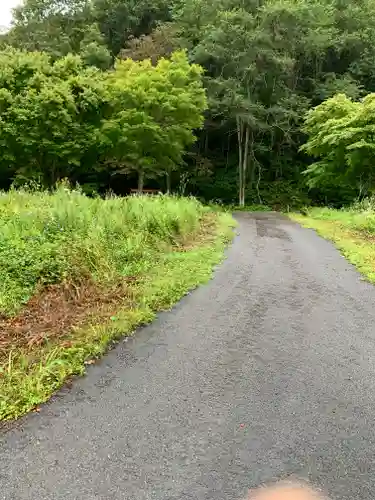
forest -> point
(234, 101)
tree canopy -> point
(274, 71)
(62, 119)
(341, 135)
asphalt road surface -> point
(266, 373)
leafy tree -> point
(251, 59)
(54, 26)
(62, 26)
(65, 120)
(341, 135)
(50, 121)
(158, 108)
(266, 62)
(119, 20)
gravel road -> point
(267, 372)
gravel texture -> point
(266, 373)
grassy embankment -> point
(78, 273)
(351, 230)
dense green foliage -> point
(341, 134)
(64, 120)
(66, 236)
(266, 62)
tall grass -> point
(170, 244)
(360, 216)
(49, 238)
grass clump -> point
(65, 236)
(352, 230)
(123, 259)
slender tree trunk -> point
(141, 179)
(251, 163)
(52, 175)
(258, 183)
(245, 162)
(241, 201)
(169, 181)
(206, 143)
(251, 175)
(228, 149)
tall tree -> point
(53, 26)
(266, 62)
(158, 109)
(251, 57)
(341, 136)
(119, 20)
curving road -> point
(267, 372)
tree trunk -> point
(141, 178)
(245, 161)
(52, 177)
(241, 201)
(258, 183)
(206, 144)
(251, 162)
(169, 181)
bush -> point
(49, 238)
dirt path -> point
(267, 372)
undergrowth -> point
(358, 217)
(164, 246)
(65, 236)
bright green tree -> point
(158, 109)
(66, 120)
(341, 136)
(50, 116)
